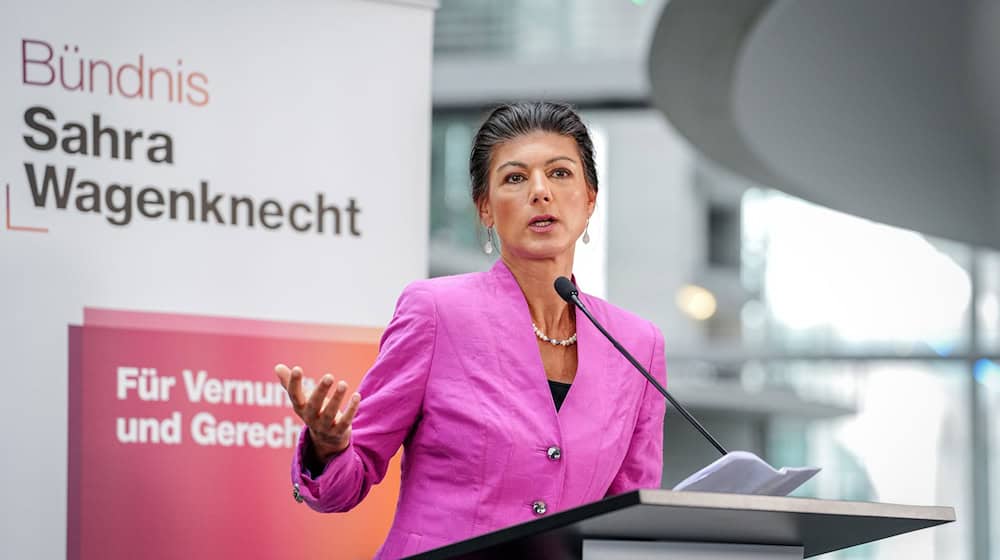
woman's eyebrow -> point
(557, 158)
(520, 164)
(512, 164)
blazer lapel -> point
(516, 348)
(591, 381)
(592, 407)
(521, 362)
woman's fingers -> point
(321, 409)
(291, 380)
(329, 413)
(295, 388)
(347, 417)
(315, 402)
(283, 373)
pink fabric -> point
(459, 383)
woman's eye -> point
(515, 178)
(561, 173)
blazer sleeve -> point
(392, 393)
(643, 464)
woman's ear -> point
(591, 201)
(485, 218)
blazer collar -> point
(518, 348)
(501, 274)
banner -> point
(190, 193)
(180, 442)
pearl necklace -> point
(554, 342)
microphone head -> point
(566, 289)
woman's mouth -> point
(542, 223)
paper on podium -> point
(742, 472)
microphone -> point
(568, 292)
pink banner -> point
(180, 440)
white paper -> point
(742, 472)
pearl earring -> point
(586, 232)
(488, 246)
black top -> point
(559, 391)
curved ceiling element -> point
(886, 110)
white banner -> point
(262, 160)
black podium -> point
(667, 525)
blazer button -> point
(554, 453)
(295, 494)
(539, 507)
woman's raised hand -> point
(329, 427)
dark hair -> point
(511, 120)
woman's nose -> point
(540, 189)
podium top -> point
(820, 526)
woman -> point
(473, 369)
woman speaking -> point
(509, 406)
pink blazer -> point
(459, 383)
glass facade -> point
(833, 283)
(988, 378)
(988, 304)
(906, 439)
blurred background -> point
(804, 334)
(802, 194)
